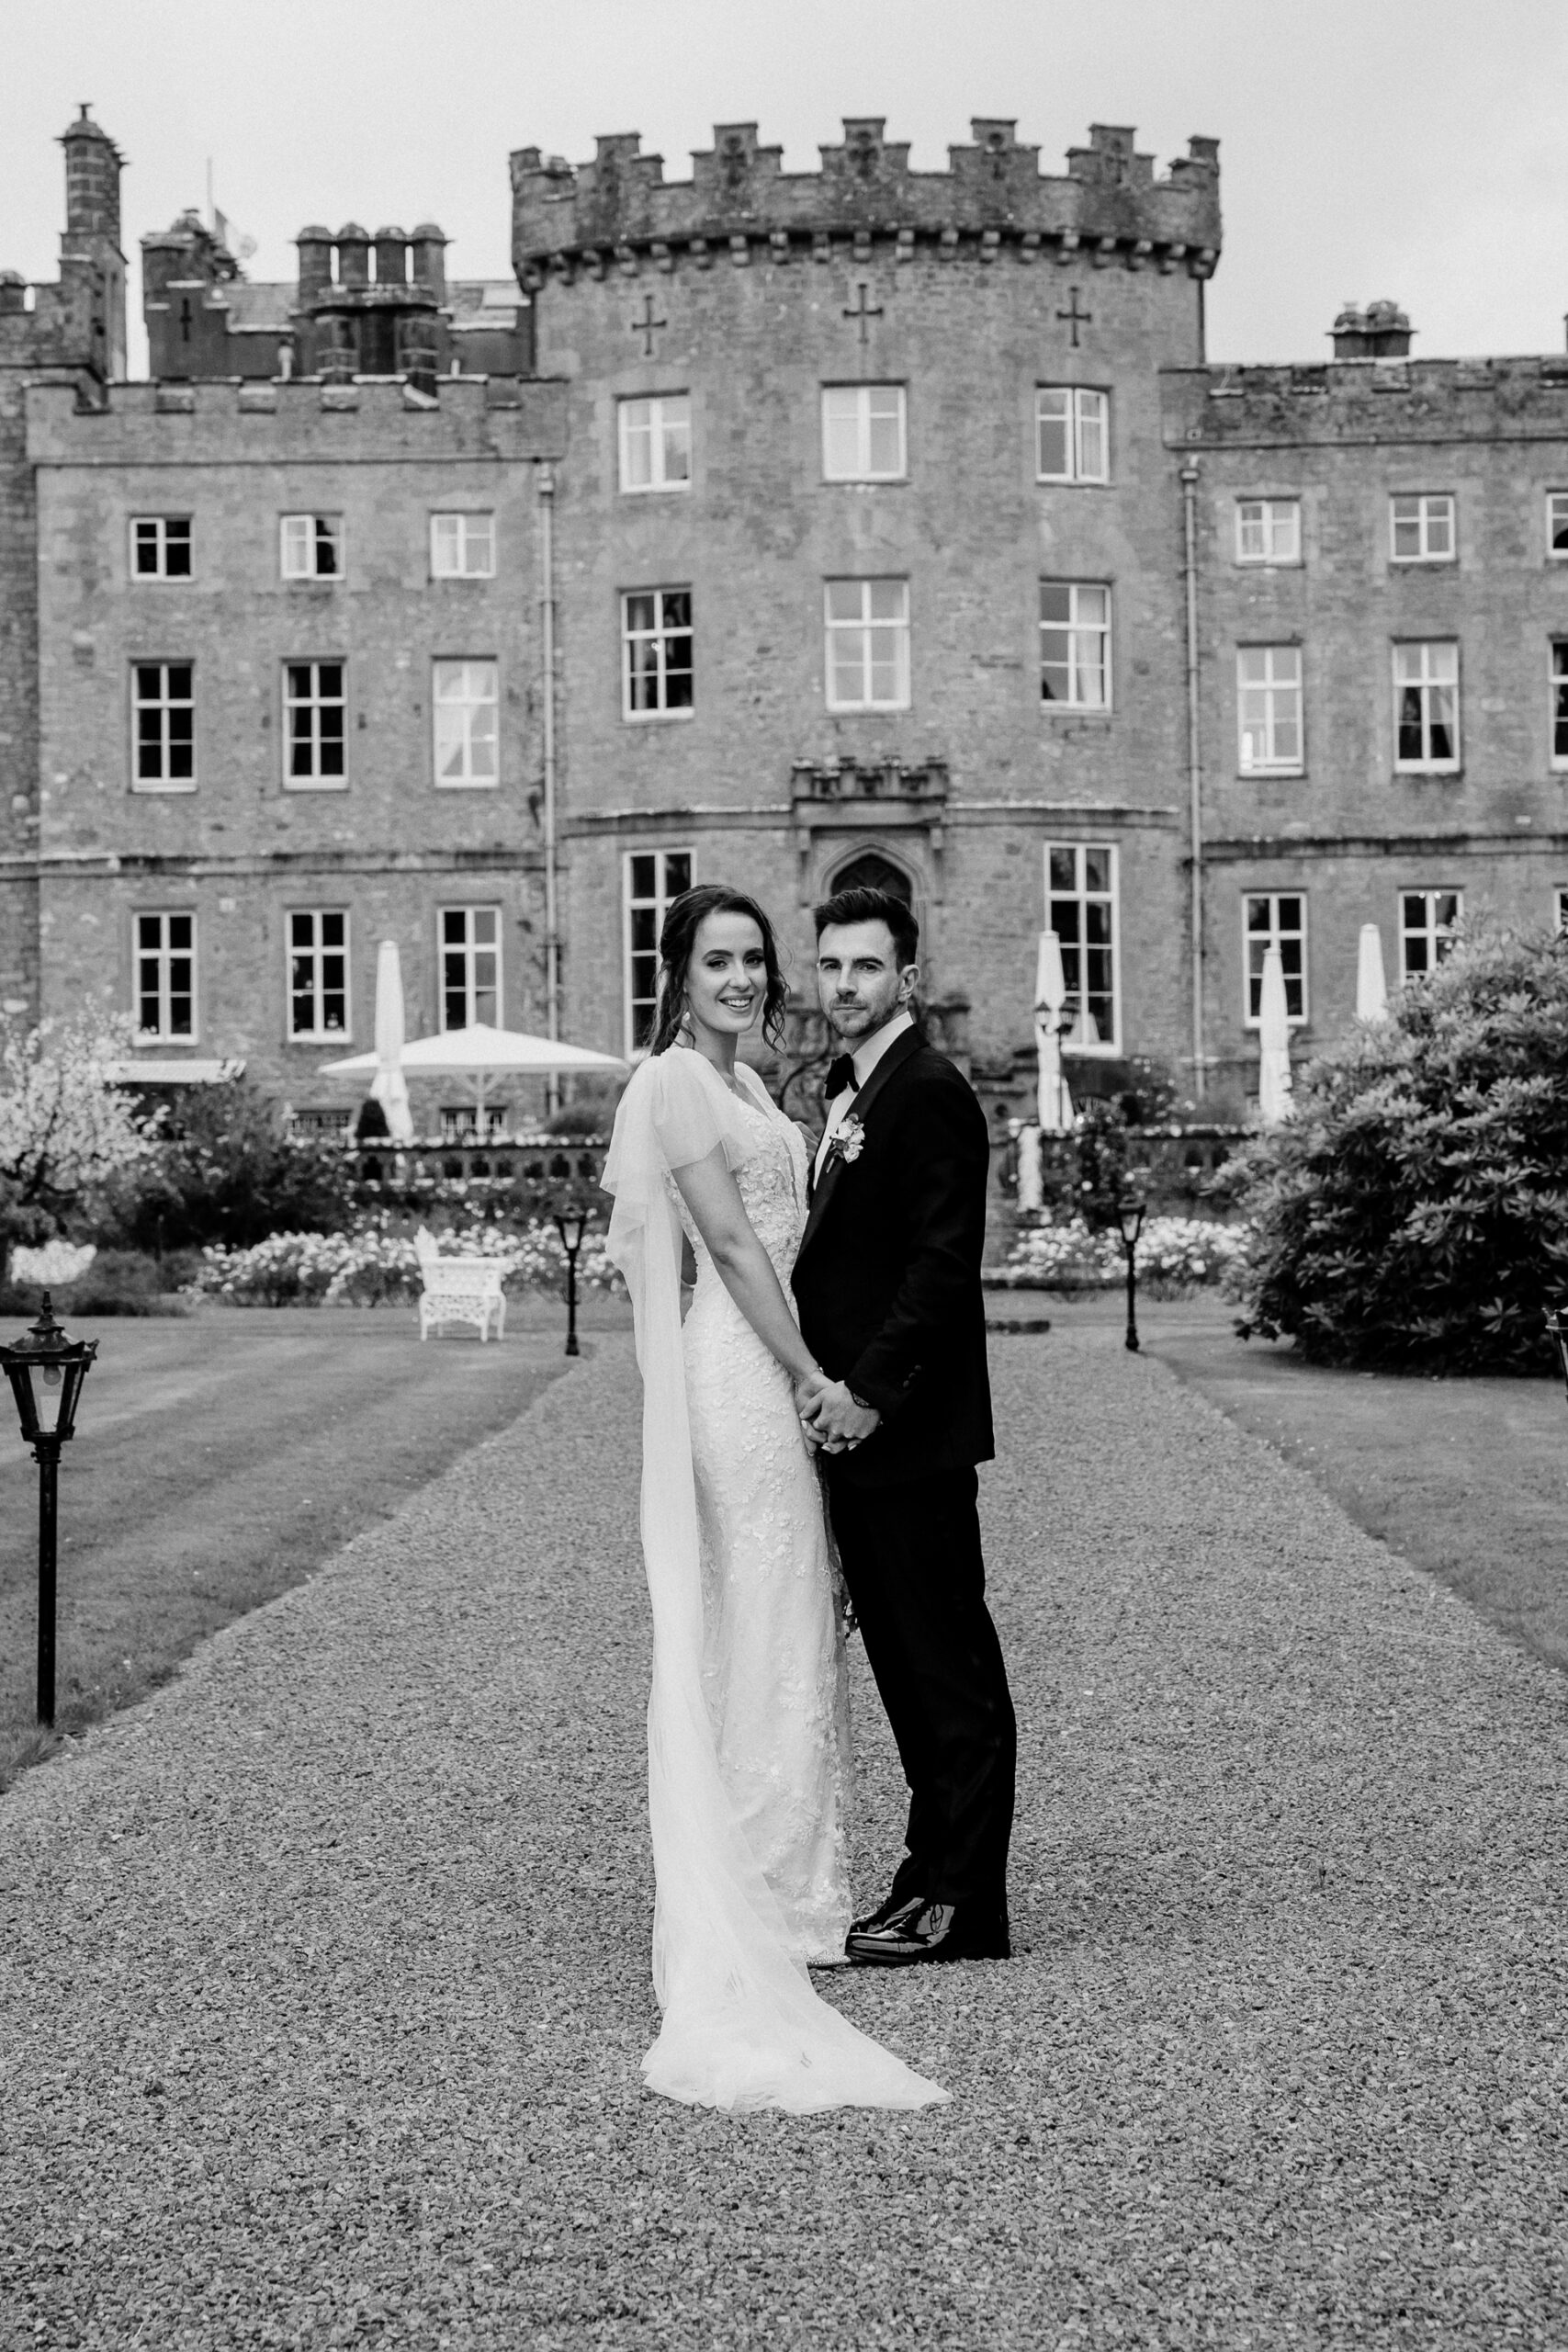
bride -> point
(748, 1719)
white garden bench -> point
(459, 1290)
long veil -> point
(742, 2027)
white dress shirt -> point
(863, 1061)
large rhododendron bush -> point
(1414, 1208)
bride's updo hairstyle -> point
(678, 939)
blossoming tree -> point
(65, 1129)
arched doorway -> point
(871, 871)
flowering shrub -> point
(54, 1264)
(1067, 1255)
(1414, 1208)
(379, 1267)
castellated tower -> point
(866, 558)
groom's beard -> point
(859, 1021)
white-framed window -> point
(468, 1122)
(650, 878)
(327, 1122)
(317, 972)
(1557, 525)
(465, 697)
(160, 547)
(866, 634)
(1072, 434)
(656, 442)
(1074, 644)
(1421, 526)
(1559, 702)
(470, 967)
(1269, 710)
(1276, 919)
(656, 652)
(314, 707)
(1080, 907)
(165, 977)
(863, 433)
(311, 545)
(462, 546)
(1428, 920)
(1425, 705)
(163, 698)
(1269, 530)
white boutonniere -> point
(848, 1141)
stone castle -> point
(773, 527)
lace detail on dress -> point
(773, 1670)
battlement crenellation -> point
(1109, 205)
(1372, 400)
(298, 419)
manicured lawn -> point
(218, 1460)
(1466, 1477)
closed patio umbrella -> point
(388, 1087)
(1372, 989)
(1274, 1044)
(1050, 997)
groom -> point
(888, 1279)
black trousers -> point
(912, 1562)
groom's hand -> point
(840, 1423)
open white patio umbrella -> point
(1372, 989)
(1050, 997)
(388, 1087)
(1274, 1043)
(480, 1053)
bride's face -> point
(727, 976)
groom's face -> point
(859, 979)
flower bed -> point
(1174, 1252)
(378, 1266)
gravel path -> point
(323, 1974)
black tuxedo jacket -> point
(888, 1277)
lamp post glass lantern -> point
(46, 1368)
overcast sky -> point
(1411, 148)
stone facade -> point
(876, 515)
(743, 294)
(243, 844)
(1349, 827)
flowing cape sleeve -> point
(741, 2026)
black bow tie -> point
(841, 1074)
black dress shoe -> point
(921, 1931)
(894, 1908)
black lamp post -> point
(1557, 1324)
(579, 1220)
(46, 1368)
(1130, 1226)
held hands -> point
(829, 1416)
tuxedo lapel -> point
(832, 1175)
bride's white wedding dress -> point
(773, 1668)
(748, 1715)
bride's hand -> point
(808, 1395)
